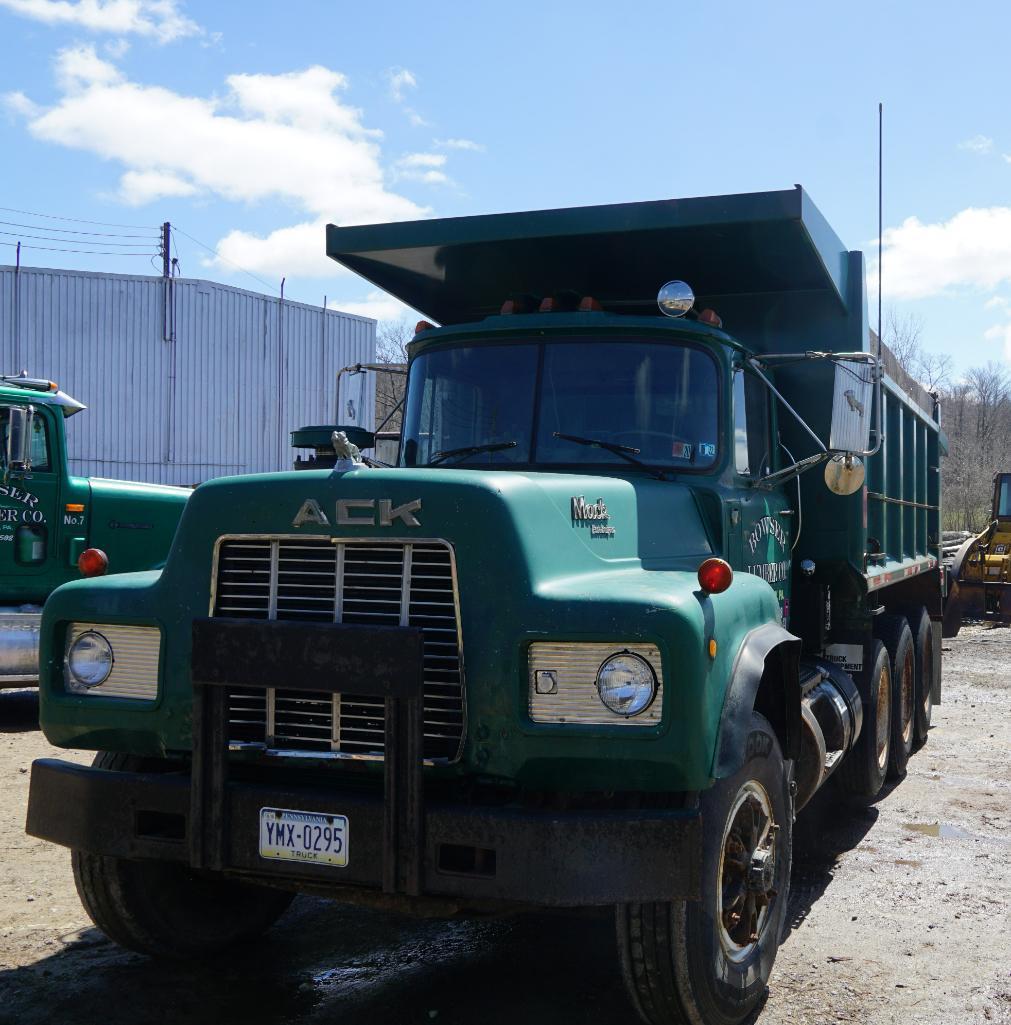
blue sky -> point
(251, 125)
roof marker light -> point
(710, 317)
(589, 305)
(423, 325)
(548, 304)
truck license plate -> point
(306, 836)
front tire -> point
(686, 962)
(163, 908)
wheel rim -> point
(907, 700)
(927, 701)
(746, 884)
(884, 718)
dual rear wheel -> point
(896, 687)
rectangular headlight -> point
(112, 661)
(563, 683)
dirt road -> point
(900, 913)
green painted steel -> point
(133, 523)
(528, 569)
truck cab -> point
(50, 517)
(612, 620)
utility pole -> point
(166, 242)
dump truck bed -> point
(771, 267)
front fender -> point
(742, 691)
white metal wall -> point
(238, 372)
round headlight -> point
(90, 659)
(626, 683)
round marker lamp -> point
(715, 576)
(626, 684)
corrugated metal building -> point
(184, 379)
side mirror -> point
(19, 437)
(852, 399)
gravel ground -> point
(900, 912)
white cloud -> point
(972, 250)
(981, 144)
(299, 250)
(422, 160)
(424, 168)
(1000, 333)
(79, 68)
(400, 80)
(139, 187)
(997, 302)
(462, 144)
(161, 20)
(377, 305)
(117, 48)
(19, 104)
(287, 137)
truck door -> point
(29, 497)
(764, 534)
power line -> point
(266, 284)
(71, 231)
(89, 252)
(50, 238)
(79, 220)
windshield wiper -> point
(469, 450)
(625, 451)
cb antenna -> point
(881, 118)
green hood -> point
(527, 571)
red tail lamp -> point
(715, 576)
(93, 562)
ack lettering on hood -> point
(360, 512)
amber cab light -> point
(715, 576)
(710, 317)
(93, 562)
(422, 325)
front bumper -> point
(470, 853)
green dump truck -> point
(49, 519)
(643, 580)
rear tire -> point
(163, 908)
(686, 962)
(898, 639)
(923, 650)
(862, 772)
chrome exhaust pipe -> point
(831, 719)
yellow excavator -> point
(979, 584)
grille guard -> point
(227, 651)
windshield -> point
(1004, 498)
(563, 403)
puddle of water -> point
(944, 830)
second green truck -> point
(643, 580)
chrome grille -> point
(377, 583)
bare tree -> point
(977, 420)
(392, 338)
(903, 335)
